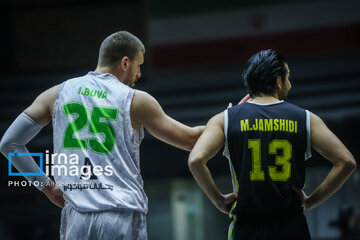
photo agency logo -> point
(16, 154)
(59, 164)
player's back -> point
(92, 128)
(267, 146)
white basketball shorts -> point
(120, 224)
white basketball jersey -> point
(97, 166)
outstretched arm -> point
(26, 126)
(147, 112)
(207, 146)
(330, 147)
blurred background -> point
(196, 50)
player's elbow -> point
(8, 144)
(194, 161)
(4, 146)
(349, 163)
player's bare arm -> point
(40, 112)
(147, 112)
(330, 147)
(209, 143)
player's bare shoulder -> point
(142, 98)
(41, 109)
(144, 107)
(49, 96)
(217, 120)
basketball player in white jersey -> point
(98, 117)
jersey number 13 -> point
(283, 160)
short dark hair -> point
(262, 70)
(118, 45)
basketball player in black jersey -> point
(267, 141)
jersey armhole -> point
(56, 102)
(308, 136)
(226, 147)
(226, 153)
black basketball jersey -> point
(267, 146)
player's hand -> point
(245, 99)
(54, 194)
(303, 198)
(226, 202)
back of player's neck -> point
(108, 70)
(265, 99)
